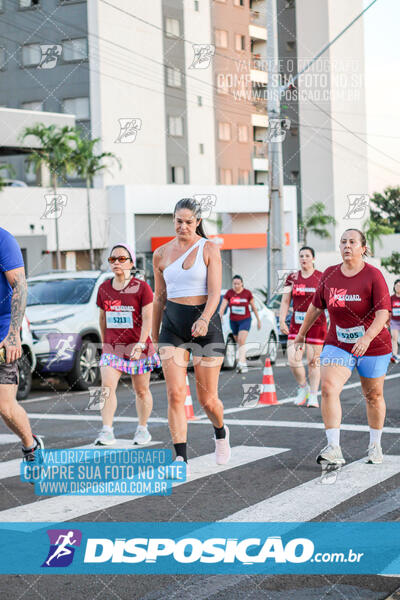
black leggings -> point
(176, 330)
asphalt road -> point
(60, 416)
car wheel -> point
(86, 370)
(230, 354)
(271, 350)
(25, 377)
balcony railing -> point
(260, 106)
(258, 62)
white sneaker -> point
(375, 455)
(142, 436)
(105, 438)
(332, 455)
(222, 449)
(312, 401)
(242, 368)
(302, 395)
(171, 473)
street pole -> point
(275, 242)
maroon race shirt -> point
(395, 300)
(239, 304)
(352, 303)
(123, 312)
(303, 290)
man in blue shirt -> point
(13, 292)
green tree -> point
(315, 221)
(385, 208)
(374, 231)
(9, 169)
(55, 152)
(87, 164)
(392, 263)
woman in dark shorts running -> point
(239, 301)
(300, 287)
(187, 275)
(358, 301)
(126, 306)
(395, 320)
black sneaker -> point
(35, 453)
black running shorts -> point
(176, 330)
(9, 373)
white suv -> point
(64, 321)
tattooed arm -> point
(12, 343)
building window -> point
(201, 148)
(240, 42)
(238, 2)
(28, 3)
(199, 101)
(221, 38)
(175, 126)
(172, 28)
(30, 173)
(31, 55)
(243, 133)
(290, 46)
(1, 5)
(226, 176)
(224, 132)
(196, 5)
(34, 105)
(222, 84)
(290, 4)
(174, 77)
(177, 174)
(244, 177)
(78, 107)
(75, 49)
(2, 59)
(294, 175)
(5, 170)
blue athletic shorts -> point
(243, 324)
(367, 366)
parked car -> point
(261, 343)
(274, 304)
(64, 319)
(27, 362)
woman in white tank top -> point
(187, 275)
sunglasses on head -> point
(121, 259)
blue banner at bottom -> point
(200, 548)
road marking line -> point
(308, 500)
(65, 508)
(10, 468)
(295, 424)
(8, 438)
(83, 418)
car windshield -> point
(60, 291)
(275, 301)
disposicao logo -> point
(62, 547)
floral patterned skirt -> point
(133, 367)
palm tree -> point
(56, 146)
(87, 164)
(315, 221)
(374, 231)
(9, 169)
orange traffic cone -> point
(188, 403)
(268, 394)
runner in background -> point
(126, 306)
(395, 321)
(358, 300)
(239, 300)
(301, 287)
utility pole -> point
(275, 239)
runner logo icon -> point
(62, 547)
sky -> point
(382, 87)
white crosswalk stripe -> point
(11, 468)
(64, 508)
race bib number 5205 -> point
(349, 336)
